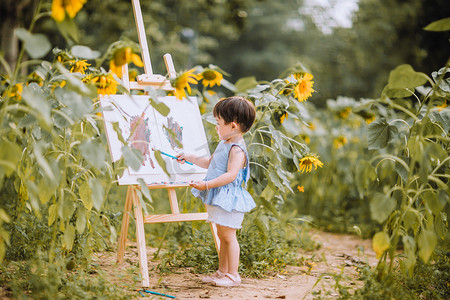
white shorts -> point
(222, 217)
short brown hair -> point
(236, 109)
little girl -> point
(221, 190)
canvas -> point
(145, 129)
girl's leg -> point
(229, 250)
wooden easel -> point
(132, 203)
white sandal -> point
(210, 278)
(227, 280)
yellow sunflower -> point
(62, 7)
(210, 77)
(283, 117)
(124, 56)
(182, 82)
(305, 138)
(105, 83)
(308, 162)
(442, 106)
(303, 89)
(15, 91)
(339, 142)
(344, 113)
(79, 66)
(370, 119)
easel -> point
(132, 203)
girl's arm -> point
(201, 161)
(236, 161)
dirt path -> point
(339, 255)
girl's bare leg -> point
(229, 250)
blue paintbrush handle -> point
(156, 293)
(174, 157)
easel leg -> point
(125, 224)
(140, 238)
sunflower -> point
(283, 117)
(370, 119)
(307, 163)
(339, 142)
(345, 112)
(303, 89)
(105, 83)
(210, 77)
(305, 138)
(442, 106)
(62, 7)
(79, 66)
(15, 91)
(182, 81)
(124, 56)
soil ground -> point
(337, 258)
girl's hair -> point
(236, 109)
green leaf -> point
(93, 153)
(52, 213)
(86, 195)
(9, 156)
(427, 242)
(269, 206)
(144, 189)
(81, 220)
(68, 29)
(69, 237)
(276, 135)
(380, 243)
(133, 157)
(245, 83)
(97, 193)
(76, 84)
(410, 218)
(439, 25)
(160, 107)
(434, 201)
(76, 105)
(68, 208)
(365, 175)
(380, 133)
(404, 77)
(84, 52)
(173, 136)
(36, 99)
(268, 192)
(262, 222)
(381, 206)
(441, 78)
(36, 45)
(161, 161)
(395, 93)
(400, 168)
(440, 225)
(118, 131)
(410, 253)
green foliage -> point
(261, 253)
(430, 281)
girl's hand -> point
(199, 185)
(181, 158)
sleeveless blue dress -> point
(232, 196)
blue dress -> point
(232, 196)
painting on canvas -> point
(145, 129)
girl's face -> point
(226, 131)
